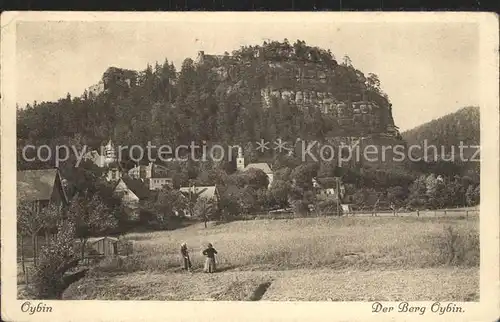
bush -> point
(328, 207)
(111, 264)
(56, 258)
(459, 248)
(125, 247)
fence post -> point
(22, 254)
(467, 214)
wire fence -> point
(456, 212)
(418, 213)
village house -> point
(240, 166)
(329, 188)
(154, 175)
(41, 187)
(132, 193)
(210, 193)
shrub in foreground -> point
(459, 248)
(56, 258)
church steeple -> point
(240, 160)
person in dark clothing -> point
(210, 252)
(186, 261)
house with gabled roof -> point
(132, 193)
(41, 187)
(211, 193)
(155, 175)
(208, 192)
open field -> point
(339, 259)
(443, 284)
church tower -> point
(240, 160)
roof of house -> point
(96, 239)
(208, 192)
(136, 186)
(261, 166)
(38, 184)
(327, 182)
(159, 171)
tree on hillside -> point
(56, 258)
(346, 61)
(229, 205)
(166, 204)
(256, 179)
(373, 82)
(248, 200)
(472, 195)
(214, 176)
(396, 195)
(303, 174)
(280, 193)
(51, 215)
(204, 208)
(90, 217)
(301, 199)
(477, 194)
(30, 222)
(418, 193)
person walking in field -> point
(210, 252)
(186, 261)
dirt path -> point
(443, 284)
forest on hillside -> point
(449, 130)
(194, 104)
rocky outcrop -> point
(112, 78)
(325, 101)
(119, 76)
(364, 113)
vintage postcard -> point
(249, 166)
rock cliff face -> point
(308, 85)
(114, 77)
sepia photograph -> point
(268, 158)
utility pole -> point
(337, 188)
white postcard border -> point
(485, 310)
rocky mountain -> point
(269, 91)
(304, 76)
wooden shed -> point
(107, 246)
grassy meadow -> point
(339, 259)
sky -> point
(428, 69)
